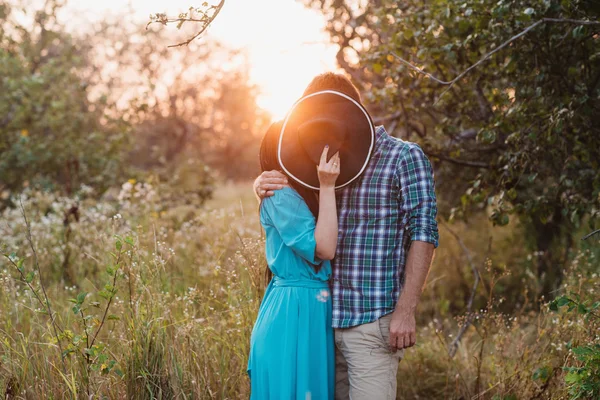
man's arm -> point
(418, 203)
(267, 182)
(403, 324)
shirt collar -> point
(380, 133)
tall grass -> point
(188, 286)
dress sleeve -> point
(291, 217)
(417, 196)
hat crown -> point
(318, 132)
(326, 118)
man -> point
(386, 240)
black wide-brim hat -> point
(320, 119)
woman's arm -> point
(326, 231)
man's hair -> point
(332, 81)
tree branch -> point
(589, 235)
(488, 55)
(467, 163)
(206, 20)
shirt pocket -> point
(378, 203)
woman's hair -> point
(269, 161)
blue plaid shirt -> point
(392, 204)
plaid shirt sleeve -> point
(417, 193)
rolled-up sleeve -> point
(294, 222)
(417, 196)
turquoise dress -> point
(291, 348)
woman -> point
(291, 349)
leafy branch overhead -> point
(203, 15)
(489, 54)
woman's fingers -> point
(269, 186)
(323, 161)
(334, 163)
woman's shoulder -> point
(284, 196)
(285, 201)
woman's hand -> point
(328, 171)
(326, 231)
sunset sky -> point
(285, 41)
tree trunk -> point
(551, 239)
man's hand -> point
(402, 329)
(268, 182)
(403, 325)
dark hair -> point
(269, 162)
(333, 81)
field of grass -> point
(135, 298)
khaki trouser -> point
(365, 368)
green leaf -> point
(113, 317)
(572, 378)
(20, 264)
(29, 277)
(487, 137)
(129, 240)
(81, 297)
(583, 351)
(563, 301)
(529, 11)
(542, 373)
(578, 31)
(118, 245)
(67, 351)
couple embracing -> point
(349, 214)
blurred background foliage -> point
(113, 102)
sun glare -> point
(283, 80)
(285, 42)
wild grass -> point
(187, 285)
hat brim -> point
(355, 153)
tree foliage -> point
(51, 132)
(519, 133)
(113, 102)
